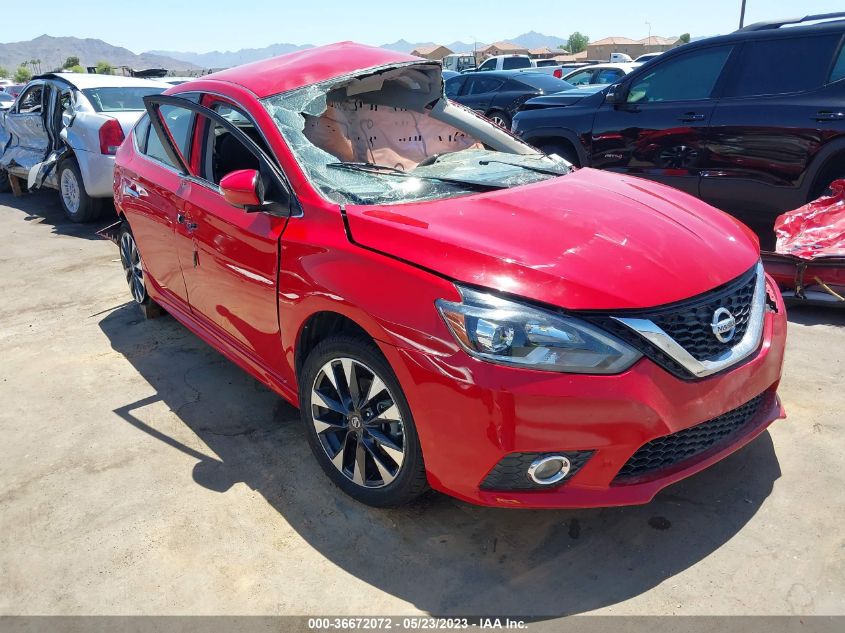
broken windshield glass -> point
(389, 137)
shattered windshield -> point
(389, 138)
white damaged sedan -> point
(63, 131)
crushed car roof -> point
(86, 80)
(310, 66)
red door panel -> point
(232, 280)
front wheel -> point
(130, 259)
(358, 423)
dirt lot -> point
(141, 472)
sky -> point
(205, 25)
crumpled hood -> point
(590, 240)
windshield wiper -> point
(375, 168)
(540, 170)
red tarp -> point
(809, 259)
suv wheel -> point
(565, 152)
(358, 423)
(130, 259)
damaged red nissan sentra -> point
(447, 306)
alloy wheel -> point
(358, 423)
(70, 190)
(131, 260)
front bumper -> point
(471, 414)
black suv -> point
(752, 122)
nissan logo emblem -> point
(723, 325)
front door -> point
(29, 142)
(657, 126)
(232, 274)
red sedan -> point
(447, 306)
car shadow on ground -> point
(441, 555)
(816, 315)
(43, 207)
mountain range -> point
(218, 59)
(53, 51)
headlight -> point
(511, 333)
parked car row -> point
(752, 122)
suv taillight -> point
(558, 73)
(111, 136)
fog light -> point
(548, 469)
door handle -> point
(823, 115)
(691, 116)
(133, 190)
(181, 219)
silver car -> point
(63, 131)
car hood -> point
(590, 240)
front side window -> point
(780, 66)
(30, 101)
(688, 77)
(416, 146)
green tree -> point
(684, 38)
(70, 62)
(578, 42)
(104, 68)
(4, 74)
(22, 74)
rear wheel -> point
(358, 423)
(500, 118)
(130, 259)
(77, 204)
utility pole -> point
(742, 15)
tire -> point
(5, 184)
(500, 118)
(76, 203)
(130, 259)
(562, 150)
(354, 428)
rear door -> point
(658, 130)
(150, 192)
(783, 100)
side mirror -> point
(243, 188)
(616, 94)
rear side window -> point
(119, 99)
(838, 71)
(779, 66)
(512, 63)
(480, 85)
(687, 77)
